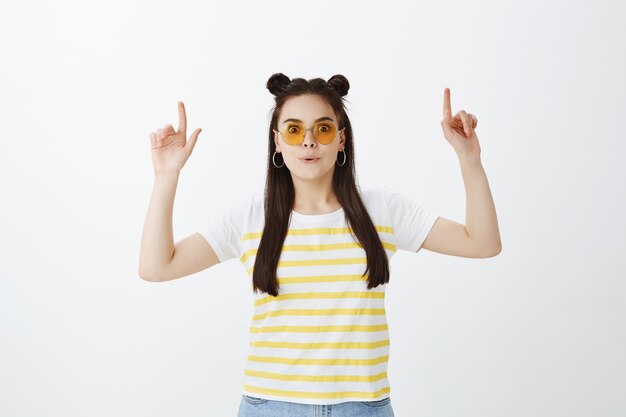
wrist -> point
(166, 176)
(469, 158)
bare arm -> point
(157, 257)
(157, 239)
(481, 221)
(480, 236)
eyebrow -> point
(316, 120)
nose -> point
(309, 140)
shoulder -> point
(256, 202)
(372, 191)
(243, 208)
(375, 200)
(373, 195)
(256, 206)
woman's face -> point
(308, 108)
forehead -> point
(307, 107)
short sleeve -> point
(224, 231)
(411, 222)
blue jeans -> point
(261, 407)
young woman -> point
(316, 247)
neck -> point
(315, 197)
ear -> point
(276, 142)
(342, 139)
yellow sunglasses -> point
(294, 132)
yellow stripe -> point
(311, 394)
(316, 378)
(310, 295)
(317, 262)
(318, 248)
(319, 312)
(321, 278)
(332, 261)
(316, 361)
(317, 231)
(317, 329)
(323, 345)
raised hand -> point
(170, 148)
(459, 130)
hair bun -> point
(339, 83)
(278, 83)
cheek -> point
(290, 159)
(328, 162)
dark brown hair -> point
(280, 194)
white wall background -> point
(535, 331)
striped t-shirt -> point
(324, 338)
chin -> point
(313, 174)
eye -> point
(323, 128)
(293, 129)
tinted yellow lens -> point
(323, 132)
(293, 133)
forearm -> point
(481, 221)
(157, 240)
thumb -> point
(192, 139)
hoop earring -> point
(274, 162)
(344, 159)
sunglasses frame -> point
(312, 132)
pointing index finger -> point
(446, 101)
(182, 118)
